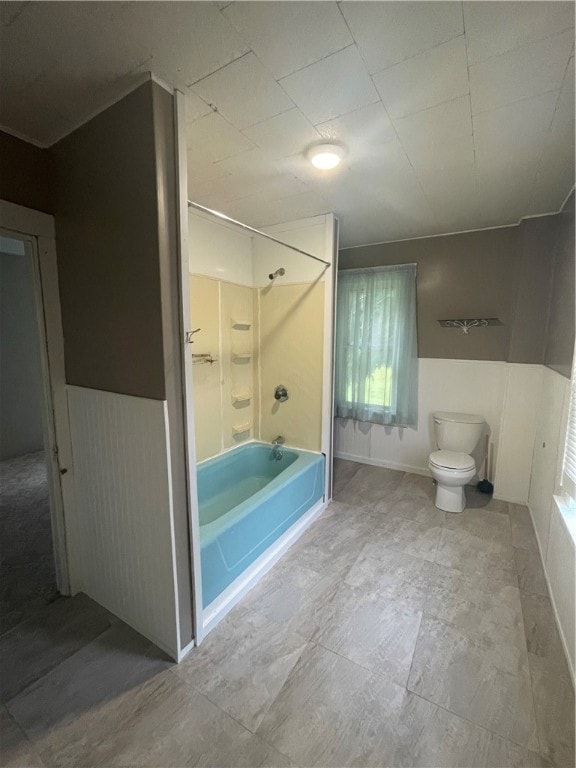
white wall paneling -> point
(122, 522)
(505, 394)
(547, 451)
(557, 546)
(561, 573)
(518, 429)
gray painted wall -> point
(533, 284)
(21, 372)
(106, 212)
(25, 177)
(459, 276)
(524, 275)
(116, 236)
(560, 336)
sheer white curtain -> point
(376, 345)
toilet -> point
(452, 466)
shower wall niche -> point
(259, 333)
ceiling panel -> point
(440, 137)
(425, 80)
(331, 87)
(390, 32)
(493, 28)
(243, 92)
(519, 74)
(187, 40)
(362, 130)
(287, 37)
(214, 138)
(284, 134)
(517, 131)
(264, 80)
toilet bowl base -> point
(450, 498)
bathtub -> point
(247, 500)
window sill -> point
(567, 508)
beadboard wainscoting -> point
(557, 546)
(504, 393)
(121, 535)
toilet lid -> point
(452, 460)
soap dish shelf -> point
(241, 325)
(241, 397)
(241, 428)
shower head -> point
(279, 272)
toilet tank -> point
(458, 431)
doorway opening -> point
(28, 571)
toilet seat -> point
(452, 460)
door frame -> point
(37, 229)
(186, 365)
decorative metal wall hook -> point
(465, 324)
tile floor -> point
(392, 634)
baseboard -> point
(218, 608)
(553, 603)
(382, 463)
(183, 652)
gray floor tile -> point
(485, 524)
(118, 660)
(242, 666)
(542, 636)
(296, 596)
(523, 535)
(357, 516)
(417, 485)
(461, 549)
(51, 635)
(413, 507)
(16, 750)
(343, 472)
(531, 578)
(331, 712)
(370, 485)
(376, 632)
(391, 574)
(331, 545)
(157, 722)
(482, 681)
(448, 741)
(486, 605)
(477, 500)
(417, 539)
(555, 716)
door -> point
(32, 263)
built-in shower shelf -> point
(241, 355)
(241, 325)
(241, 397)
(241, 428)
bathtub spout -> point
(276, 452)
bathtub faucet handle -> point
(279, 440)
(281, 393)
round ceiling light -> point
(325, 156)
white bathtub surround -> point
(122, 519)
(505, 394)
(556, 542)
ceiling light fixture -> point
(325, 156)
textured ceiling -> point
(455, 115)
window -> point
(376, 350)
